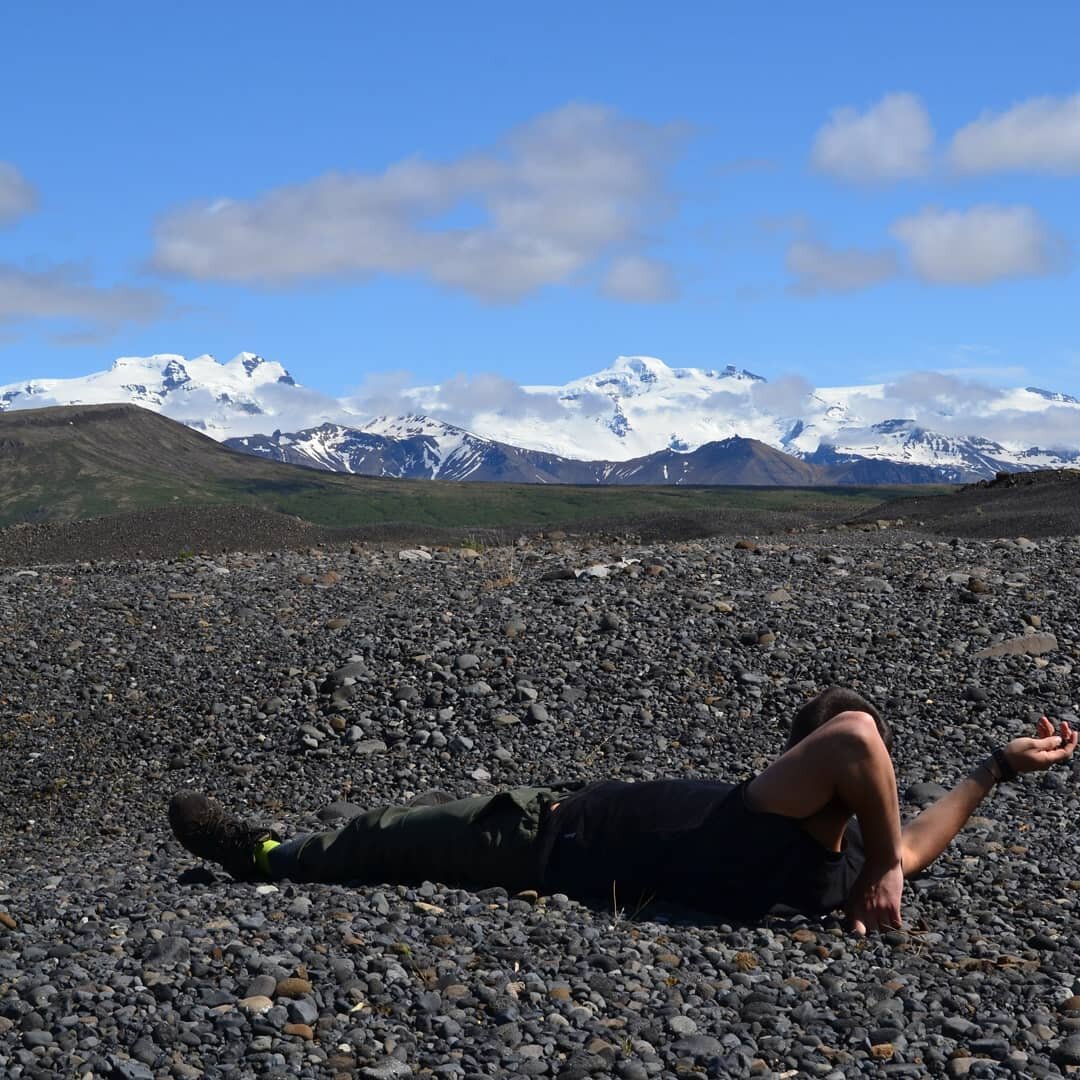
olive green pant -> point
(478, 842)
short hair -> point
(832, 702)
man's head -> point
(832, 702)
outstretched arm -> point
(927, 836)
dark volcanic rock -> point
(124, 680)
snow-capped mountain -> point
(430, 450)
(634, 409)
(412, 447)
(205, 394)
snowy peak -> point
(1051, 395)
(412, 426)
(217, 398)
(634, 376)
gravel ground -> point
(170, 532)
(122, 681)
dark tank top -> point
(692, 842)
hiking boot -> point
(206, 829)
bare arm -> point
(927, 836)
(844, 760)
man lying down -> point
(818, 830)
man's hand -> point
(1046, 749)
(874, 903)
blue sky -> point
(842, 193)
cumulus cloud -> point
(818, 268)
(940, 392)
(724, 402)
(458, 399)
(638, 279)
(966, 406)
(1053, 428)
(558, 195)
(892, 140)
(66, 293)
(17, 195)
(1041, 134)
(383, 393)
(463, 395)
(788, 395)
(978, 246)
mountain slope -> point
(69, 463)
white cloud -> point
(382, 394)
(65, 293)
(788, 395)
(892, 140)
(819, 268)
(556, 196)
(1041, 134)
(1053, 428)
(462, 397)
(941, 392)
(637, 279)
(458, 399)
(17, 195)
(978, 246)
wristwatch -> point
(1005, 771)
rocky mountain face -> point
(444, 452)
(637, 421)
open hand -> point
(874, 903)
(1046, 749)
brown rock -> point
(7, 921)
(745, 545)
(292, 988)
(1071, 1004)
(301, 1031)
(745, 961)
(559, 993)
(882, 1051)
(804, 935)
(336, 624)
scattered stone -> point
(1028, 645)
(253, 691)
(256, 1005)
(292, 987)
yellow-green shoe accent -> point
(262, 855)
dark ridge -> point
(1032, 504)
